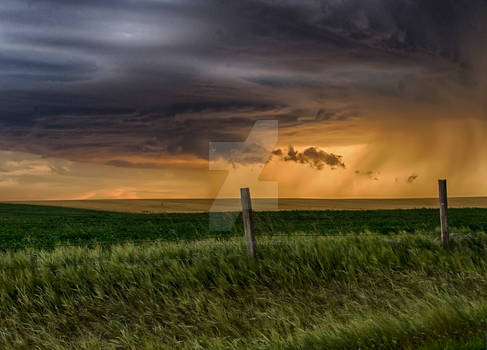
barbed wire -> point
(91, 228)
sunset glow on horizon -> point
(105, 101)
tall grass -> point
(363, 292)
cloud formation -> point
(121, 78)
(411, 178)
(311, 156)
(141, 88)
(372, 175)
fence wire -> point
(46, 229)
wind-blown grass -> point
(475, 344)
(397, 292)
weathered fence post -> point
(445, 238)
(247, 222)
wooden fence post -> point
(247, 222)
(445, 237)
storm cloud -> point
(99, 80)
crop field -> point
(81, 279)
(46, 227)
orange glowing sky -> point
(374, 99)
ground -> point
(85, 279)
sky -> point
(195, 99)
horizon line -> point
(235, 198)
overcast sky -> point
(376, 97)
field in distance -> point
(233, 204)
(37, 226)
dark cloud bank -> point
(84, 78)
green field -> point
(46, 227)
(79, 279)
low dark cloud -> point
(372, 175)
(311, 156)
(412, 178)
(241, 154)
(128, 164)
